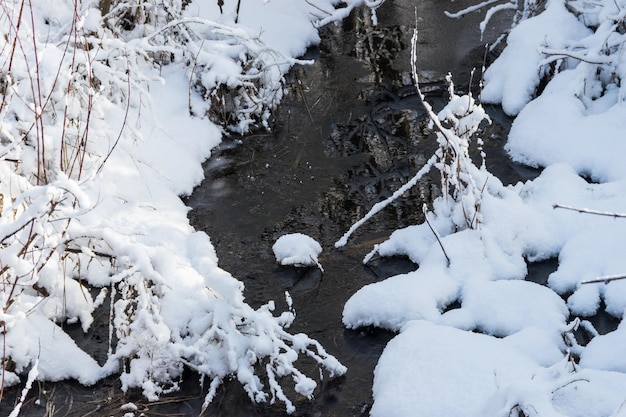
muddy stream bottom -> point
(349, 132)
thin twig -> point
(589, 211)
(317, 7)
(193, 73)
(4, 358)
(237, 13)
(124, 124)
(605, 279)
(446, 134)
(306, 104)
(556, 54)
(437, 236)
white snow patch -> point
(297, 249)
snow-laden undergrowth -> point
(107, 110)
(475, 337)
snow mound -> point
(452, 372)
(438, 371)
(514, 77)
(297, 249)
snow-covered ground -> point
(102, 129)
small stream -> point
(348, 134)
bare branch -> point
(605, 279)
(556, 54)
(589, 211)
(437, 236)
(470, 9)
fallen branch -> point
(605, 279)
(589, 211)
(382, 204)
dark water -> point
(348, 134)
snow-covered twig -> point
(381, 205)
(528, 9)
(32, 376)
(451, 159)
(470, 9)
(590, 211)
(605, 279)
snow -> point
(99, 141)
(445, 366)
(297, 249)
(605, 352)
(513, 79)
(568, 119)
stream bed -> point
(349, 132)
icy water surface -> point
(349, 132)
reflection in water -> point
(378, 46)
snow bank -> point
(440, 371)
(513, 78)
(569, 132)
